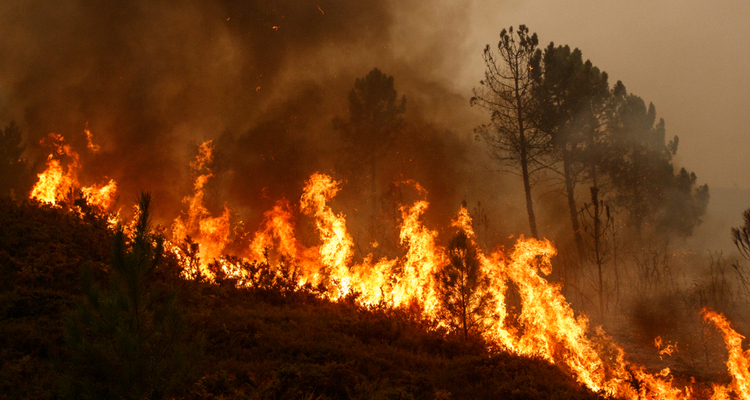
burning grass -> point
(546, 327)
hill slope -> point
(271, 343)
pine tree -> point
(506, 92)
(128, 340)
(14, 172)
(462, 287)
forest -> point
(349, 241)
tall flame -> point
(55, 183)
(277, 227)
(546, 326)
(416, 282)
(336, 248)
(739, 360)
(211, 233)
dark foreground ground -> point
(269, 344)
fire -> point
(277, 226)
(738, 363)
(416, 282)
(90, 140)
(56, 183)
(336, 248)
(546, 325)
(210, 232)
(669, 349)
(550, 327)
(101, 196)
(53, 183)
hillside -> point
(272, 343)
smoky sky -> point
(264, 79)
(687, 57)
(152, 79)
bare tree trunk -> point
(638, 208)
(570, 189)
(464, 304)
(529, 201)
(525, 162)
(373, 198)
(598, 256)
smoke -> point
(152, 79)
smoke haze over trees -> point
(265, 80)
(151, 79)
(232, 107)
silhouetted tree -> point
(127, 341)
(506, 92)
(642, 173)
(741, 235)
(597, 222)
(13, 169)
(571, 95)
(682, 206)
(373, 122)
(462, 287)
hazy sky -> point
(690, 58)
(265, 78)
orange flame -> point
(277, 226)
(211, 233)
(738, 363)
(416, 282)
(669, 349)
(546, 326)
(55, 183)
(101, 196)
(90, 140)
(336, 248)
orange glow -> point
(101, 196)
(336, 248)
(277, 227)
(53, 183)
(545, 326)
(669, 349)
(56, 183)
(90, 140)
(738, 363)
(211, 233)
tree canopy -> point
(506, 93)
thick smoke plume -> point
(264, 80)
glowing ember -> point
(90, 140)
(669, 349)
